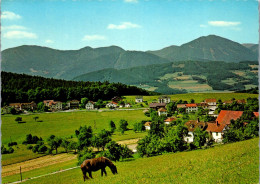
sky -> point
(130, 24)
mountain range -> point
(69, 64)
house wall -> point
(217, 136)
(147, 127)
(190, 109)
(189, 138)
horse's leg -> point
(85, 177)
(105, 172)
(102, 172)
(90, 174)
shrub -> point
(29, 147)
(12, 144)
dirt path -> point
(128, 142)
(36, 163)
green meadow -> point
(64, 124)
(230, 163)
(198, 97)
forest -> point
(26, 88)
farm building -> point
(216, 130)
(147, 125)
(169, 120)
(138, 99)
(157, 106)
(162, 111)
(73, 104)
(90, 105)
(225, 116)
(112, 105)
(192, 125)
(164, 99)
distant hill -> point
(183, 76)
(52, 63)
(205, 48)
(46, 62)
(252, 47)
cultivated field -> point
(231, 163)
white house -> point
(147, 125)
(169, 120)
(55, 106)
(164, 99)
(138, 99)
(127, 105)
(192, 125)
(90, 105)
(111, 105)
(191, 108)
(216, 130)
(162, 111)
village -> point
(219, 122)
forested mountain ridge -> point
(68, 64)
(26, 88)
(183, 76)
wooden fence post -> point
(21, 173)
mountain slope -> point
(210, 47)
(184, 76)
(46, 62)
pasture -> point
(198, 97)
(230, 163)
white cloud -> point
(123, 25)
(131, 1)
(19, 35)
(13, 27)
(93, 37)
(10, 15)
(223, 23)
(49, 41)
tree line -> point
(26, 88)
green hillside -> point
(68, 64)
(210, 47)
(185, 76)
(231, 163)
(47, 62)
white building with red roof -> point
(216, 130)
(191, 108)
(162, 111)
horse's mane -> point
(109, 163)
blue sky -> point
(130, 24)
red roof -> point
(148, 123)
(114, 103)
(181, 106)
(213, 127)
(191, 105)
(241, 101)
(256, 114)
(226, 116)
(162, 110)
(170, 119)
(210, 100)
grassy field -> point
(64, 124)
(198, 97)
(231, 163)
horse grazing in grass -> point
(95, 164)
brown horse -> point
(95, 164)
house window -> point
(216, 133)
